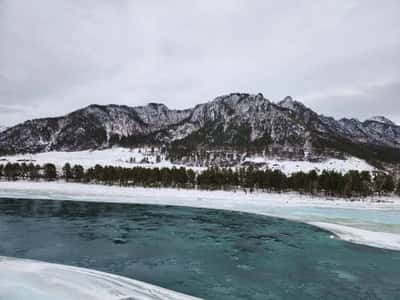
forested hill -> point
(234, 124)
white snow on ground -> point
(288, 167)
(352, 214)
(28, 279)
(122, 157)
(351, 234)
(147, 157)
(114, 156)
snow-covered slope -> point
(332, 164)
(382, 119)
(151, 157)
(122, 157)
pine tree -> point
(191, 177)
(398, 188)
(67, 172)
(11, 171)
(49, 172)
(379, 181)
(33, 171)
(78, 172)
(24, 170)
(388, 184)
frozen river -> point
(374, 222)
(211, 254)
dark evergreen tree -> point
(11, 171)
(78, 173)
(49, 172)
(191, 175)
(398, 188)
(67, 172)
(379, 181)
(24, 171)
(388, 184)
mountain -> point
(381, 119)
(3, 128)
(224, 127)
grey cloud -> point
(373, 100)
(8, 109)
(59, 55)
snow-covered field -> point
(339, 165)
(121, 157)
(28, 279)
(151, 158)
(374, 222)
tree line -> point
(328, 183)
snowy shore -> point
(372, 221)
(28, 279)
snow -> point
(291, 166)
(121, 157)
(372, 221)
(125, 157)
(382, 119)
(28, 279)
(360, 236)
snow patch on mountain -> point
(382, 119)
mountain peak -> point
(157, 105)
(289, 103)
(237, 97)
(288, 99)
(381, 119)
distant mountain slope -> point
(228, 125)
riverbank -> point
(369, 221)
(29, 279)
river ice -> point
(374, 222)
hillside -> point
(218, 132)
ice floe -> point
(28, 279)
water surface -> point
(206, 253)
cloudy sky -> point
(339, 57)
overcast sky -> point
(341, 58)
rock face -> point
(238, 122)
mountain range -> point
(234, 123)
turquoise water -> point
(206, 253)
